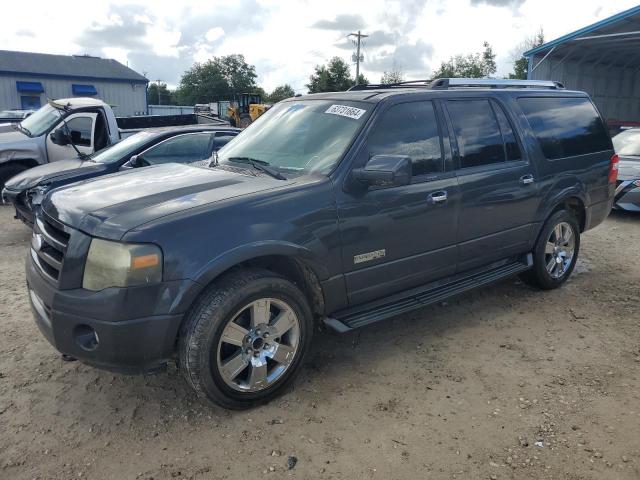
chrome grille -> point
(48, 247)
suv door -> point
(395, 238)
(185, 148)
(81, 128)
(499, 196)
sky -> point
(286, 39)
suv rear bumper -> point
(597, 213)
(96, 327)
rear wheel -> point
(244, 341)
(556, 251)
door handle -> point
(526, 179)
(437, 197)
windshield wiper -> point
(81, 155)
(259, 165)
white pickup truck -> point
(72, 127)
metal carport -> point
(603, 60)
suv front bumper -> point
(117, 329)
(17, 198)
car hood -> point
(43, 174)
(15, 145)
(629, 168)
(6, 127)
(112, 205)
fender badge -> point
(367, 257)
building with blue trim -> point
(602, 59)
(27, 80)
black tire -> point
(10, 170)
(539, 276)
(213, 311)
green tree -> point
(488, 60)
(362, 80)
(521, 63)
(472, 65)
(221, 78)
(280, 93)
(392, 76)
(260, 91)
(319, 80)
(333, 77)
(159, 94)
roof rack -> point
(406, 84)
(446, 83)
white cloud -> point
(164, 40)
(286, 39)
(143, 19)
(214, 34)
(117, 53)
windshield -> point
(40, 121)
(627, 143)
(123, 149)
(304, 136)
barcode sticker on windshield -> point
(346, 111)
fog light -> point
(86, 337)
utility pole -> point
(358, 36)
(159, 97)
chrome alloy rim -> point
(559, 250)
(258, 345)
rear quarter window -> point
(565, 126)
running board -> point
(417, 298)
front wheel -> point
(244, 340)
(556, 251)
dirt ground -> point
(504, 382)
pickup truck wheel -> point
(8, 171)
(244, 340)
(556, 251)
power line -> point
(359, 36)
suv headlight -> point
(114, 264)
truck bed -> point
(151, 121)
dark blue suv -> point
(345, 208)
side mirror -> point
(59, 137)
(133, 162)
(385, 171)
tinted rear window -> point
(477, 132)
(565, 127)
